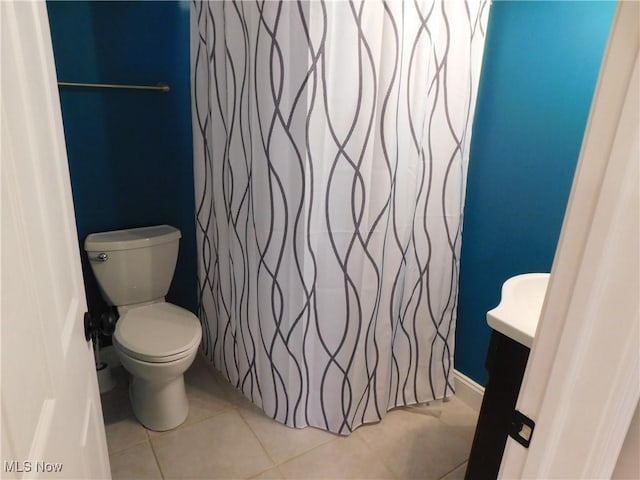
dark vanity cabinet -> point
(506, 362)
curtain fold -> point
(331, 143)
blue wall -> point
(130, 152)
(539, 72)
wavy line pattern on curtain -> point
(331, 147)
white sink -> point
(517, 314)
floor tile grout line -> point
(265, 470)
(454, 430)
(155, 456)
(187, 425)
(278, 464)
(382, 459)
(337, 438)
(453, 470)
(275, 464)
(255, 435)
(240, 408)
(230, 405)
(135, 444)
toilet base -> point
(159, 405)
(157, 390)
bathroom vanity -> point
(514, 322)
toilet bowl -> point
(156, 344)
(156, 341)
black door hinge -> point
(521, 428)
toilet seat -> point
(158, 333)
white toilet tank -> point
(135, 265)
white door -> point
(51, 412)
(582, 382)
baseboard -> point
(468, 390)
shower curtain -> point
(331, 142)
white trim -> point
(468, 390)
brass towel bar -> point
(161, 87)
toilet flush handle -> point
(102, 257)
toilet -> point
(156, 341)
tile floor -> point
(225, 436)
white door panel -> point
(51, 412)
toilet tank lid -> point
(131, 238)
